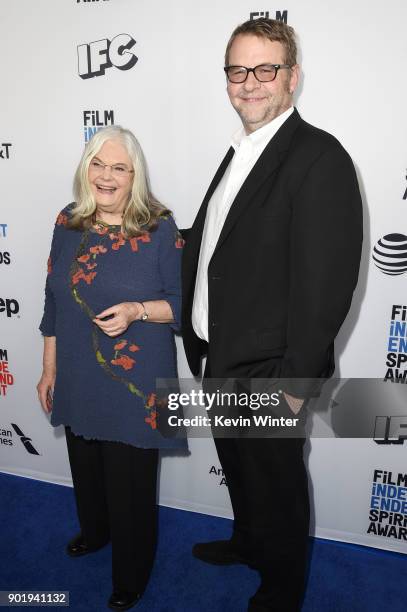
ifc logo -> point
(390, 254)
(95, 57)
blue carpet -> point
(37, 520)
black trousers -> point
(115, 490)
(268, 489)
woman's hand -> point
(45, 390)
(45, 387)
(120, 317)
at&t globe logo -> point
(390, 254)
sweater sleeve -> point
(47, 325)
(170, 253)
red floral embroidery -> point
(120, 242)
(98, 249)
(133, 244)
(152, 419)
(151, 400)
(77, 276)
(62, 219)
(124, 361)
(133, 348)
(89, 277)
(80, 274)
(49, 265)
(119, 345)
(143, 238)
(84, 259)
(179, 243)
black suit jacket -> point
(282, 275)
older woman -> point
(112, 302)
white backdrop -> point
(353, 59)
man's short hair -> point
(271, 29)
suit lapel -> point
(266, 165)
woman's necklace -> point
(101, 225)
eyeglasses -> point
(117, 170)
(263, 73)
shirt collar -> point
(259, 138)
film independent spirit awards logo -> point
(388, 505)
(95, 120)
(396, 360)
(279, 16)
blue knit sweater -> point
(106, 387)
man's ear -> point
(294, 78)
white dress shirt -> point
(248, 149)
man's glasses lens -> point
(236, 74)
(263, 73)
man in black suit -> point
(269, 270)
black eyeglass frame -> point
(276, 67)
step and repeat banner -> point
(74, 66)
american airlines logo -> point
(25, 440)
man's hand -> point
(294, 403)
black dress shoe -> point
(259, 608)
(253, 607)
(219, 552)
(266, 601)
(123, 600)
(77, 547)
